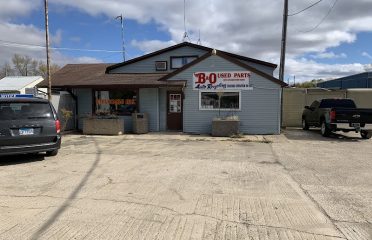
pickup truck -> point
(333, 115)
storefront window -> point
(229, 100)
(117, 102)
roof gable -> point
(228, 58)
(146, 56)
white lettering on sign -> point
(221, 80)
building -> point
(181, 88)
(361, 80)
(21, 85)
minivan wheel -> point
(52, 153)
(366, 134)
(305, 126)
(324, 129)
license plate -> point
(26, 131)
(355, 125)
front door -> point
(174, 112)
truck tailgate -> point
(353, 115)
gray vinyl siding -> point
(84, 102)
(260, 107)
(148, 65)
(262, 68)
(148, 102)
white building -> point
(22, 85)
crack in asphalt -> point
(304, 191)
(179, 214)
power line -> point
(312, 5)
(34, 46)
(323, 19)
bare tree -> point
(26, 66)
(6, 70)
(22, 64)
(42, 69)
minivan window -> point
(26, 110)
(337, 103)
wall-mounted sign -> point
(10, 95)
(104, 101)
(221, 80)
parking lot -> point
(298, 185)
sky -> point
(330, 40)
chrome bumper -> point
(347, 126)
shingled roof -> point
(93, 75)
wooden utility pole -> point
(284, 41)
(47, 49)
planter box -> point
(102, 126)
(225, 128)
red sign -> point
(221, 80)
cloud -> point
(17, 33)
(152, 45)
(29, 34)
(310, 69)
(11, 9)
(252, 29)
(329, 55)
(367, 55)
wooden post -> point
(284, 41)
(47, 50)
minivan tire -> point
(324, 129)
(52, 153)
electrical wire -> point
(303, 10)
(323, 19)
(34, 46)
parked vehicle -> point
(333, 115)
(28, 125)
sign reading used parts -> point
(221, 80)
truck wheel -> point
(305, 126)
(324, 129)
(52, 153)
(366, 134)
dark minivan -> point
(28, 125)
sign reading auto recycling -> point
(221, 80)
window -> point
(161, 65)
(334, 103)
(178, 62)
(175, 103)
(116, 102)
(25, 110)
(219, 100)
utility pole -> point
(47, 49)
(284, 41)
(122, 33)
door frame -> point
(167, 110)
